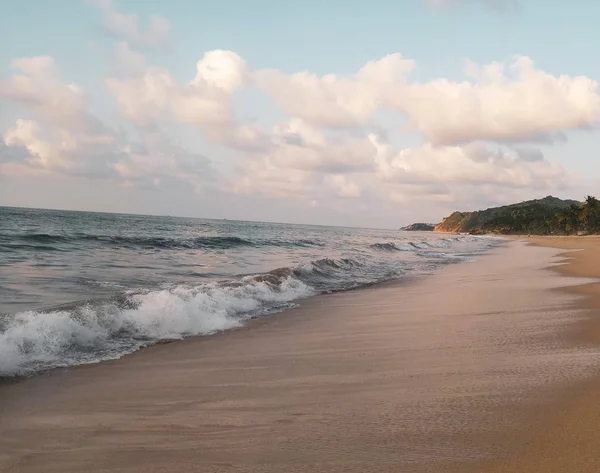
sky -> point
(371, 113)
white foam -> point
(32, 340)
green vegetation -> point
(547, 216)
(419, 227)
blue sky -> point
(240, 181)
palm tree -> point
(591, 214)
(572, 218)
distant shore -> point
(460, 370)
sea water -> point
(82, 287)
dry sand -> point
(459, 371)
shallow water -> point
(79, 287)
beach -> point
(488, 365)
(567, 437)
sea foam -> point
(101, 330)
(110, 327)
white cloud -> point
(64, 136)
(324, 150)
(206, 100)
(513, 101)
(36, 84)
(507, 102)
(470, 142)
(500, 103)
(144, 98)
(159, 162)
(470, 164)
(56, 149)
(126, 27)
(262, 177)
(332, 100)
(147, 94)
(42, 152)
(434, 173)
(127, 61)
(221, 69)
(296, 144)
(344, 186)
(65, 139)
(35, 66)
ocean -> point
(83, 287)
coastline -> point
(372, 380)
(582, 260)
(567, 440)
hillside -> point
(549, 215)
(419, 227)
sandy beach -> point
(484, 366)
(567, 440)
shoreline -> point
(567, 440)
(248, 324)
(351, 381)
(581, 260)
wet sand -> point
(458, 371)
(567, 439)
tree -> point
(591, 214)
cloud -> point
(126, 27)
(263, 177)
(144, 98)
(331, 100)
(65, 139)
(127, 61)
(529, 154)
(64, 136)
(477, 134)
(158, 162)
(35, 66)
(36, 84)
(501, 102)
(512, 101)
(344, 186)
(147, 94)
(12, 154)
(326, 138)
(206, 99)
(60, 150)
(296, 144)
(471, 164)
(435, 173)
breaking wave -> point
(103, 329)
(108, 328)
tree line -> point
(540, 219)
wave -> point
(385, 247)
(407, 246)
(389, 246)
(102, 329)
(48, 242)
(107, 329)
(420, 245)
